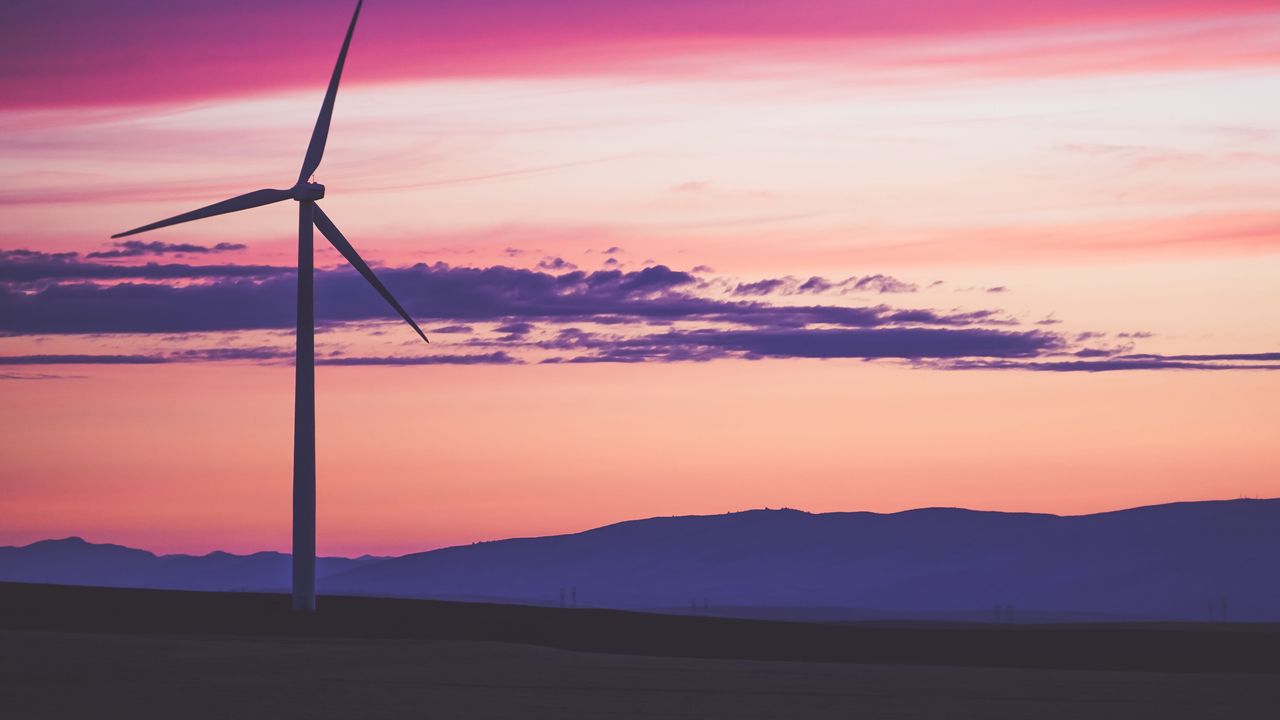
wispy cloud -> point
(137, 248)
(866, 343)
(81, 359)
(80, 52)
(493, 358)
(25, 266)
(1223, 361)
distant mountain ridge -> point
(74, 561)
(1191, 561)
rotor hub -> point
(308, 191)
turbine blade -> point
(329, 230)
(320, 134)
(257, 198)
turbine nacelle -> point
(307, 191)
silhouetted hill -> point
(1177, 561)
(76, 562)
(1167, 561)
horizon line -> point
(765, 509)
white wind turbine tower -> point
(304, 412)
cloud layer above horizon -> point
(503, 314)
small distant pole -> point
(706, 607)
(562, 596)
(574, 594)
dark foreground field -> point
(90, 652)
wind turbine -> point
(304, 409)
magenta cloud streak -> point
(87, 52)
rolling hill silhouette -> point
(74, 561)
(1190, 561)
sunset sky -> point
(674, 257)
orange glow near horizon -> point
(415, 458)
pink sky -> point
(1102, 171)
